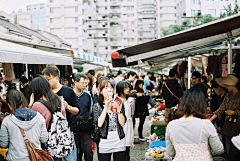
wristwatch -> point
(119, 112)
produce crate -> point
(157, 144)
(159, 130)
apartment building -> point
(64, 19)
(166, 14)
(22, 18)
(38, 12)
(193, 8)
(147, 20)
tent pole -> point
(230, 57)
(189, 71)
(26, 75)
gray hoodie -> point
(11, 137)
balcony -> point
(115, 10)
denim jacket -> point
(103, 131)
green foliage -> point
(229, 11)
(200, 20)
(204, 19)
(176, 28)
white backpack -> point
(59, 142)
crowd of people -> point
(104, 109)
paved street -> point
(137, 154)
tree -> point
(229, 11)
(201, 20)
(204, 19)
(176, 28)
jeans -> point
(84, 145)
(228, 144)
(150, 100)
(117, 156)
(73, 155)
(140, 127)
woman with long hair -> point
(44, 100)
(109, 118)
(189, 137)
(22, 117)
(141, 110)
(123, 90)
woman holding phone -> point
(123, 90)
(110, 118)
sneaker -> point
(142, 139)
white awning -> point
(14, 53)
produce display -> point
(157, 149)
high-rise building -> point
(64, 18)
(147, 20)
(38, 12)
(114, 26)
(167, 14)
(193, 8)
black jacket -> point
(174, 86)
(103, 131)
(141, 108)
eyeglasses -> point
(194, 78)
(83, 83)
(49, 78)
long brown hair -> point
(102, 85)
(16, 100)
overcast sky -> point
(14, 5)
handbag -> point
(231, 126)
(84, 122)
(35, 154)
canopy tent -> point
(14, 53)
(89, 59)
(182, 44)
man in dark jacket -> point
(25, 88)
(196, 79)
(172, 92)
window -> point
(51, 1)
(193, 13)
(76, 9)
(212, 12)
(51, 10)
(51, 30)
(76, 29)
(193, 1)
(50, 20)
(76, 19)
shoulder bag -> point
(175, 112)
(35, 154)
(231, 126)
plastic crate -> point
(159, 130)
(157, 144)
